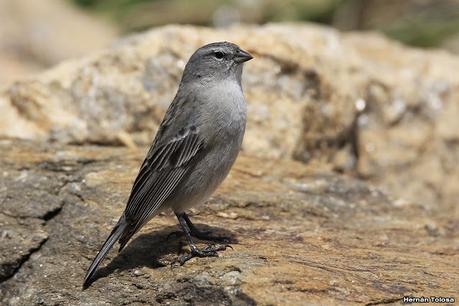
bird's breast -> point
(226, 109)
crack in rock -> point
(24, 258)
(10, 268)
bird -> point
(193, 151)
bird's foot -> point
(209, 251)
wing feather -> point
(159, 175)
(157, 198)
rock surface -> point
(300, 233)
(366, 105)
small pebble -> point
(138, 273)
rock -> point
(365, 105)
(301, 234)
(36, 35)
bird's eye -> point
(218, 55)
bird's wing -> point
(163, 168)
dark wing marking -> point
(159, 175)
(173, 154)
(159, 150)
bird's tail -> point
(114, 236)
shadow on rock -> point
(147, 249)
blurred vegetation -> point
(425, 23)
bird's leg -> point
(203, 235)
(195, 232)
(208, 251)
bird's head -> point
(216, 61)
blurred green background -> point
(36, 35)
(425, 23)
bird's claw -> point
(209, 251)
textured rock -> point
(300, 234)
(365, 104)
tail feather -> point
(111, 240)
(125, 237)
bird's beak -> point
(242, 56)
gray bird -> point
(193, 151)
